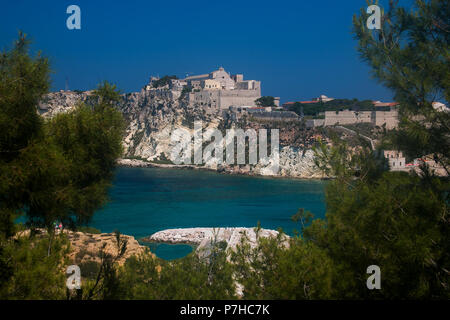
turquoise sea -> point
(147, 200)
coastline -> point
(136, 163)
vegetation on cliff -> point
(266, 101)
(317, 108)
(163, 81)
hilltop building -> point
(323, 98)
(441, 107)
(217, 90)
(396, 160)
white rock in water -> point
(202, 237)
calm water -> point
(147, 200)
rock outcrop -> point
(203, 237)
(86, 246)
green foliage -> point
(106, 285)
(396, 220)
(192, 277)
(186, 90)
(313, 109)
(271, 271)
(57, 170)
(266, 101)
(23, 80)
(87, 229)
(90, 138)
(35, 274)
(107, 93)
(303, 216)
(410, 56)
(163, 81)
(346, 164)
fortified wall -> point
(238, 97)
(378, 118)
(390, 118)
(347, 117)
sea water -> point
(146, 200)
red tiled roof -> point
(309, 101)
(385, 104)
(291, 103)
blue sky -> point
(298, 49)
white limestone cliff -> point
(152, 116)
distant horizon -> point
(298, 50)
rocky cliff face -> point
(152, 116)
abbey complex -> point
(219, 90)
(216, 90)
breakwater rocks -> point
(203, 237)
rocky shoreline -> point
(232, 170)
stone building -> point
(397, 162)
(322, 98)
(217, 90)
(220, 90)
(210, 84)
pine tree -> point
(55, 170)
(396, 220)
